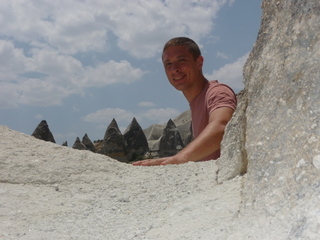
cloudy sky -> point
(80, 63)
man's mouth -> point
(177, 78)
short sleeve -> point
(220, 96)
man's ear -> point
(200, 60)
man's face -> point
(182, 70)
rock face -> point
(182, 122)
(280, 124)
(171, 142)
(155, 131)
(185, 131)
(114, 144)
(79, 145)
(184, 125)
(233, 160)
(283, 115)
(98, 144)
(43, 132)
(47, 191)
(136, 141)
(88, 143)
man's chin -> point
(178, 86)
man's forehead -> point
(175, 51)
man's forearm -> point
(205, 144)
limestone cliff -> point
(280, 123)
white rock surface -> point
(53, 192)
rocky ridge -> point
(135, 143)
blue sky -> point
(79, 64)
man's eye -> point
(168, 64)
(181, 60)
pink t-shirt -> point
(214, 95)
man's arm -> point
(206, 143)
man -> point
(212, 104)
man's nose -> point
(175, 67)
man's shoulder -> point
(216, 85)
(220, 95)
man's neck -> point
(191, 94)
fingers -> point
(158, 161)
(165, 162)
(149, 162)
(170, 160)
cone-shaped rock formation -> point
(43, 132)
(79, 145)
(114, 144)
(88, 143)
(171, 142)
(136, 140)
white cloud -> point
(38, 116)
(40, 41)
(52, 63)
(144, 26)
(231, 74)
(107, 114)
(39, 92)
(57, 76)
(68, 26)
(12, 61)
(146, 104)
(160, 115)
(111, 72)
(222, 55)
(78, 31)
(141, 26)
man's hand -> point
(161, 161)
(149, 162)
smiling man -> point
(212, 103)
